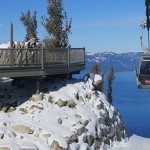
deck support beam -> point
(37, 87)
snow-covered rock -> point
(72, 117)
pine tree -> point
(110, 78)
(30, 24)
(57, 25)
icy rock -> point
(37, 97)
(55, 146)
(100, 106)
(61, 103)
(22, 129)
(86, 122)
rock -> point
(59, 120)
(73, 138)
(4, 124)
(23, 110)
(81, 130)
(108, 121)
(1, 135)
(4, 148)
(71, 104)
(81, 98)
(118, 134)
(97, 144)
(85, 139)
(88, 95)
(1, 105)
(37, 97)
(47, 135)
(55, 146)
(107, 141)
(13, 134)
(86, 122)
(104, 132)
(50, 99)
(111, 133)
(100, 106)
(36, 135)
(98, 85)
(101, 121)
(37, 107)
(22, 129)
(61, 103)
(90, 139)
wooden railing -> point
(41, 57)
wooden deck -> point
(41, 62)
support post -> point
(37, 87)
(43, 58)
(69, 56)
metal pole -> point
(11, 44)
(11, 35)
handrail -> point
(41, 57)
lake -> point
(132, 103)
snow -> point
(134, 143)
(5, 45)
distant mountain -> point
(120, 62)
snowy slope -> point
(68, 114)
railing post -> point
(69, 56)
(43, 57)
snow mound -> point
(67, 114)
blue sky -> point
(97, 25)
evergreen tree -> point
(30, 24)
(57, 25)
(110, 78)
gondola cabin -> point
(143, 73)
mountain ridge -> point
(120, 61)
